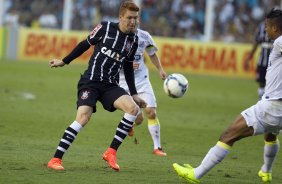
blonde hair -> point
(128, 5)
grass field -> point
(38, 103)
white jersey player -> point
(144, 87)
(265, 117)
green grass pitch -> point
(38, 103)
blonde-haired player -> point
(144, 87)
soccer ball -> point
(175, 85)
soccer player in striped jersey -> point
(115, 47)
(262, 40)
(144, 87)
(265, 117)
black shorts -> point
(260, 73)
(89, 92)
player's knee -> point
(83, 118)
(151, 114)
(132, 109)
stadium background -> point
(196, 36)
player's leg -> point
(236, 131)
(117, 98)
(138, 121)
(86, 104)
(82, 117)
(155, 130)
(271, 149)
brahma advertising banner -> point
(44, 44)
(183, 55)
(2, 42)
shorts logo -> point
(85, 95)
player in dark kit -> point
(115, 47)
(265, 43)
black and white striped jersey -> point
(112, 49)
(265, 43)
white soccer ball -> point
(175, 85)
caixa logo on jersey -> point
(111, 53)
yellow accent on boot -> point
(266, 177)
(187, 172)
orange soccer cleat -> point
(159, 152)
(110, 157)
(56, 164)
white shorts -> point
(144, 90)
(264, 117)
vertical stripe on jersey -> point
(114, 44)
(107, 32)
(125, 41)
(93, 67)
(110, 71)
(102, 66)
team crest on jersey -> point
(95, 30)
(128, 46)
(85, 95)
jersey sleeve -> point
(96, 34)
(151, 47)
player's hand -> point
(163, 74)
(139, 101)
(54, 63)
(135, 65)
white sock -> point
(215, 155)
(155, 131)
(270, 152)
(76, 126)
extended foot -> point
(56, 164)
(110, 157)
(187, 172)
(266, 177)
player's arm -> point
(130, 80)
(93, 38)
(129, 77)
(76, 52)
(253, 51)
(156, 61)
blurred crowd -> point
(234, 20)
